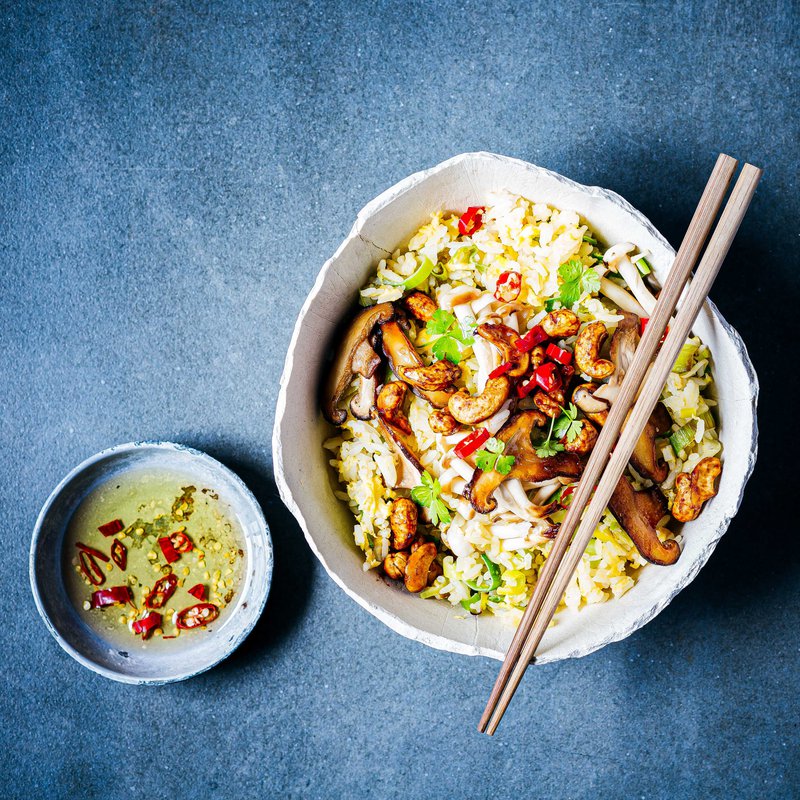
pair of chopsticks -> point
(615, 443)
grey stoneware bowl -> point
(135, 665)
(307, 483)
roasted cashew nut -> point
(403, 522)
(443, 422)
(418, 566)
(587, 351)
(693, 490)
(391, 399)
(561, 323)
(547, 404)
(584, 441)
(394, 565)
(469, 410)
(436, 377)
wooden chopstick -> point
(648, 396)
(688, 253)
(525, 644)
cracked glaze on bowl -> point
(306, 482)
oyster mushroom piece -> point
(638, 513)
(361, 405)
(646, 456)
(505, 339)
(438, 376)
(516, 435)
(595, 408)
(402, 355)
(355, 356)
(409, 470)
(469, 410)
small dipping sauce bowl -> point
(193, 653)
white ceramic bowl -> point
(306, 482)
(135, 665)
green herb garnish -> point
(577, 279)
(451, 336)
(490, 457)
(548, 447)
(427, 495)
(568, 424)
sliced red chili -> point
(508, 286)
(112, 596)
(168, 549)
(643, 324)
(181, 542)
(162, 591)
(197, 616)
(198, 591)
(534, 336)
(91, 569)
(147, 624)
(547, 377)
(110, 528)
(469, 444)
(502, 369)
(524, 389)
(471, 220)
(119, 554)
(562, 500)
(558, 354)
(91, 551)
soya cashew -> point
(420, 306)
(584, 441)
(418, 567)
(470, 410)
(587, 351)
(391, 399)
(438, 376)
(394, 565)
(693, 490)
(403, 522)
(561, 323)
(548, 404)
(443, 422)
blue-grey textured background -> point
(173, 176)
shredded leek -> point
(708, 419)
(643, 266)
(589, 239)
(685, 359)
(683, 437)
(431, 591)
(418, 276)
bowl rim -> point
(261, 592)
(393, 620)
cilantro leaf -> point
(590, 282)
(504, 464)
(446, 347)
(568, 424)
(571, 271)
(440, 322)
(427, 495)
(549, 448)
(485, 461)
(495, 445)
(576, 281)
(439, 512)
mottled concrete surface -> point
(173, 176)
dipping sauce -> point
(151, 556)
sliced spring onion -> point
(418, 276)
(685, 359)
(431, 591)
(469, 602)
(643, 265)
(708, 419)
(683, 437)
(494, 574)
(589, 239)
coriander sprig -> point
(491, 458)
(451, 336)
(548, 447)
(577, 279)
(427, 495)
